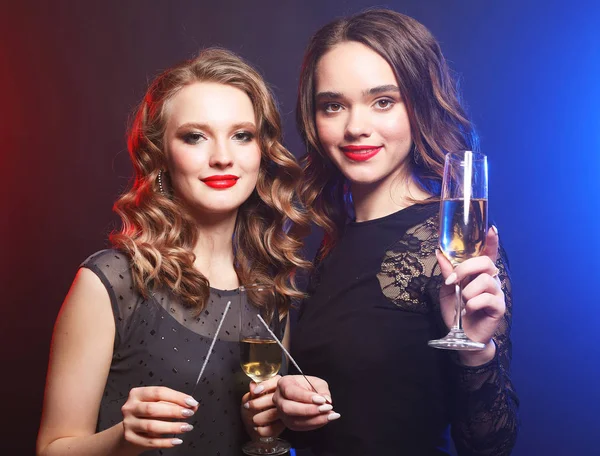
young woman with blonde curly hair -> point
(214, 191)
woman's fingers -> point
(267, 386)
(152, 412)
(161, 410)
(493, 306)
(492, 242)
(271, 430)
(260, 403)
(472, 267)
(308, 424)
(162, 393)
(267, 417)
(296, 388)
(483, 283)
(152, 442)
(158, 428)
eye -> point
(192, 137)
(384, 104)
(332, 107)
(243, 136)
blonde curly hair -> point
(157, 232)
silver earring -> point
(160, 184)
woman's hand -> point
(299, 407)
(148, 416)
(258, 410)
(483, 297)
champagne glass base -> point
(456, 340)
(273, 447)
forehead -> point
(210, 102)
(352, 65)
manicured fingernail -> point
(246, 405)
(333, 416)
(187, 412)
(451, 279)
(463, 312)
(325, 408)
(186, 428)
(495, 229)
(318, 399)
(176, 442)
(255, 428)
(191, 401)
(327, 398)
(259, 389)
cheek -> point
(183, 161)
(396, 128)
(250, 160)
(327, 131)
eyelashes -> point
(382, 104)
(193, 138)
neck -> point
(214, 249)
(373, 201)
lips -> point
(360, 153)
(220, 181)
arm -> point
(80, 358)
(485, 411)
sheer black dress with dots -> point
(159, 342)
(373, 304)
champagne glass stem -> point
(458, 316)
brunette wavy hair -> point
(158, 233)
(437, 120)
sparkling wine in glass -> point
(463, 228)
(260, 355)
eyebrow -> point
(207, 127)
(372, 91)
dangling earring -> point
(160, 184)
(415, 154)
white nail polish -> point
(451, 279)
(255, 428)
(463, 312)
(495, 228)
(325, 408)
(318, 399)
(187, 412)
(328, 399)
(259, 389)
(246, 405)
(333, 416)
(176, 442)
(186, 428)
(191, 401)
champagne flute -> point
(463, 228)
(260, 354)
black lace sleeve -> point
(485, 420)
(484, 403)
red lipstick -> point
(220, 181)
(360, 153)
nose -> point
(358, 124)
(220, 157)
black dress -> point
(373, 304)
(159, 342)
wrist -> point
(478, 358)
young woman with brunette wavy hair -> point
(378, 110)
(213, 196)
